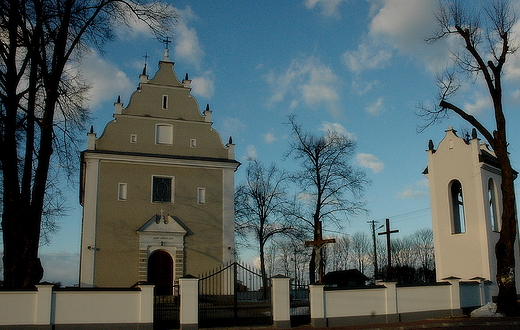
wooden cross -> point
(317, 245)
(389, 255)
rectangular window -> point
(122, 191)
(162, 189)
(133, 138)
(165, 102)
(201, 196)
(164, 134)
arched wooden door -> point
(160, 272)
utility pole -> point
(373, 225)
(389, 256)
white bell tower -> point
(465, 196)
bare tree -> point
(422, 240)
(486, 37)
(331, 185)
(42, 106)
(339, 253)
(361, 249)
(259, 206)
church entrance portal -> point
(160, 272)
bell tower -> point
(465, 196)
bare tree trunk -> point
(505, 247)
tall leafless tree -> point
(259, 207)
(487, 35)
(332, 186)
(42, 106)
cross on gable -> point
(166, 41)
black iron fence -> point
(233, 295)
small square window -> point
(122, 191)
(165, 102)
(162, 189)
(133, 138)
(193, 143)
(164, 134)
(201, 195)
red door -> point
(160, 272)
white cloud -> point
(187, 46)
(416, 190)
(366, 57)
(308, 82)
(61, 267)
(204, 86)
(105, 79)
(405, 25)
(269, 138)
(337, 128)
(328, 7)
(232, 126)
(371, 162)
(361, 87)
(251, 152)
(481, 103)
(376, 108)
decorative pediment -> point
(162, 224)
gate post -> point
(280, 301)
(189, 303)
(317, 305)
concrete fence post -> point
(281, 301)
(317, 305)
(147, 303)
(189, 303)
(455, 294)
(392, 308)
(44, 304)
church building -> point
(157, 189)
(466, 205)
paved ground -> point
(495, 323)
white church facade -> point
(464, 179)
(157, 189)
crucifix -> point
(317, 245)
(389, 255)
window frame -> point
(164, 102)
(171, 190)
(122, 191)
(158, 136)
(493, 206)
(201, 195)
(457, 209)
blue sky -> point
(360, 67)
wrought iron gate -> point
(166, 308)
(300, 310)
(233, 295)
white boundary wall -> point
(68, 309)
(385, 303)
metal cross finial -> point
(166, 42)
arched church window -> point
(163, 134)
(493, 216)
(457, 208)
